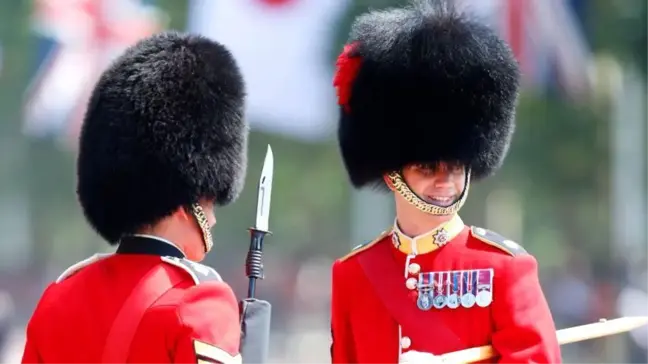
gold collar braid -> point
(403, 189)
(199, 214)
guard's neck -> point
(166, 241)
(413, 222)
(165, 232)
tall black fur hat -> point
(423, 84)
(164, 128)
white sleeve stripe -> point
(214, 353)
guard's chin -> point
(440, 201)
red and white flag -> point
(79, 39)
(545, 36)
(284, 50)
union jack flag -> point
(547, 39)
(76, 40)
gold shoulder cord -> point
(199, 214)
(403, 189)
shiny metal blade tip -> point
(264, 192)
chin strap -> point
(201, 218)
(399, 185)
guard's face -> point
(440, 184)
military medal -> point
(484, 287)
(424, 301)
(453, 297)
(468, 298)
(440, 299)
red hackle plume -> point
(347, 68)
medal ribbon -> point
(461, 279)
(474, 282)
(432, 283)
(424, 281)
(484, 280)
(440, 284)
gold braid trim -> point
(199, 214)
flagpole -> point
(628, 163)
(628, 195)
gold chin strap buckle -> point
(403, 189)
(200, 216)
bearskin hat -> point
(164, 128)
(423, 84)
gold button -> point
(406, 342)
(411, 283)
(414, 268)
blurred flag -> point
(76, 40)
(547, 38)
(283, 48)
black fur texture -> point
(164, 128)
(434, 85)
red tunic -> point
(385, 275)
(194, 318)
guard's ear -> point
(388, 182)
(184, 212)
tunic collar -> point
(148, 244)
(427, 242)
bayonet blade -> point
(264, 192)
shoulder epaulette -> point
(362, 247)
(200, 273)
(82, 264)
(494, 239)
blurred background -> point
(573, 191)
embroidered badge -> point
(441, 237)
